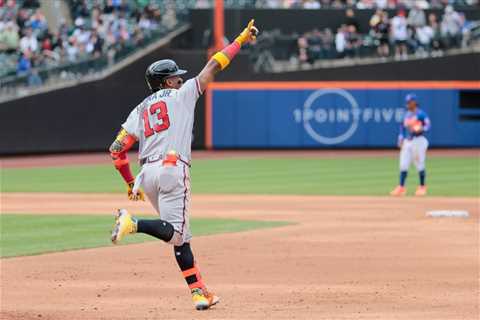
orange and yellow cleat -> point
(124, 224)
(202, 299)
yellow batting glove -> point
(248, 34)
(135, 196)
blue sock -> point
(421, 174)
(403, 177)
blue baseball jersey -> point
(406, 131)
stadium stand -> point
(337, 4)
(102, 33)
(399, 36)
(99, 33)
(414, 33)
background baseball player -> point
(162, 124)
(413, 145)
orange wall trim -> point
(292, 85)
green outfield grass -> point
(35, 234)
(447, 176)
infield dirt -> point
(344, 258)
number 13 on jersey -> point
(161, 123)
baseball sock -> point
(186, 262)
(157, 228)
(403, 177)
(421, 174)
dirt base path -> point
(345, 258)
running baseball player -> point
(413, 145)
(162, 124)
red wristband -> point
(232, 49)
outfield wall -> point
(337, 114)
(86, 117)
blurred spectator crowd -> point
(413, 33)
(99, 28)
(110, 29)
(337, 4)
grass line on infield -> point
(446, 176)
(23, 234)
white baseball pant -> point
(413, 150)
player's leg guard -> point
(403, 177)
(422, 176)
(405, 161)
(186, 262)
(157, 228)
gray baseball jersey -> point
(164, 121)
(161, 123)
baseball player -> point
(413, 145)
(162, 124)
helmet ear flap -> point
(153, 84)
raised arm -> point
(221, 59)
